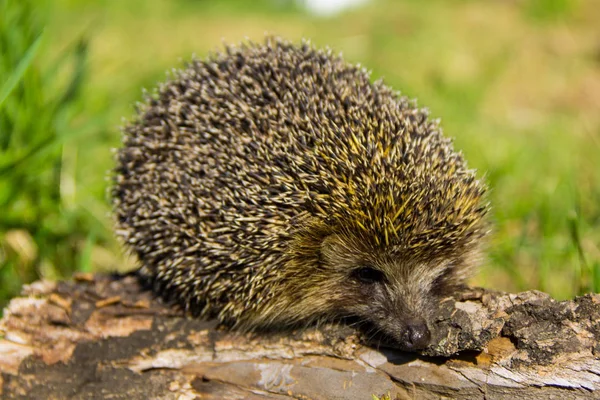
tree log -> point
(106, 337)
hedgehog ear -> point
(330, 240)
(330, 243)
(333, 248)
(327, 249)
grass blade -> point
(20, 70)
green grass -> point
(516, 83)
(44, 225)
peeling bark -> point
(105, 337)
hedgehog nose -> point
(416, 336)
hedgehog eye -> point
(368, 275)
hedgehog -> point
(274, 185)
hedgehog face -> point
(393, 294)
(391, 307)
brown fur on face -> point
(275, 185)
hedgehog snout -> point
(408, 334)
(408, 330)
(416, 335)
(411, 307)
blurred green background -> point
(516, 82)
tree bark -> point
(106, 337)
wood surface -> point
(105, 337)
